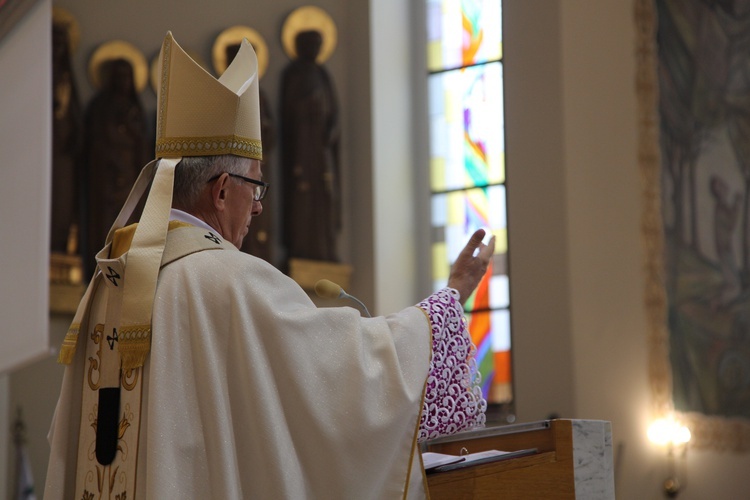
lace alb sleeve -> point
(453, 396)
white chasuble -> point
(249, 390)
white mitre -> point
(199, 115)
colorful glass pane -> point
(463, 32)
(490, 332)
(467, 168)
(467, 143)
(455, 216)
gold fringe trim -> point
(68, 348)
(134, 345)
(207, 146)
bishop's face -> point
(241, 205)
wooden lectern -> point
(573, 459)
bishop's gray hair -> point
(193, 172)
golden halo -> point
(232, 36)
(155, 68)
(306, 19)
(62, 16)
(119, 49)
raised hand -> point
(471, 265)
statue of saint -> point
(66, 146)
(310, 156)
(117, 148)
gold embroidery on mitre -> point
(163, 91)
(68, 349)
(134, 344)
(177, 147)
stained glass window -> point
(461, 33)
(467, 168)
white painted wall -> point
(395, 263)
(25, 163)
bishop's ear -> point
(219, 191)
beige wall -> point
(574, 211)
(538, 248)
(575, 245)
(603, 218)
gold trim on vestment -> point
(68, 348)
(129, 378)
(134, 345)
(95, 363)
(419, 418)
(416, 434)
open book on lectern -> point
(440, 462)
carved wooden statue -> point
(66, 146)
(117, 147)
(310, 156)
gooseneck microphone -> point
(327, 289)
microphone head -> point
(327, 289)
